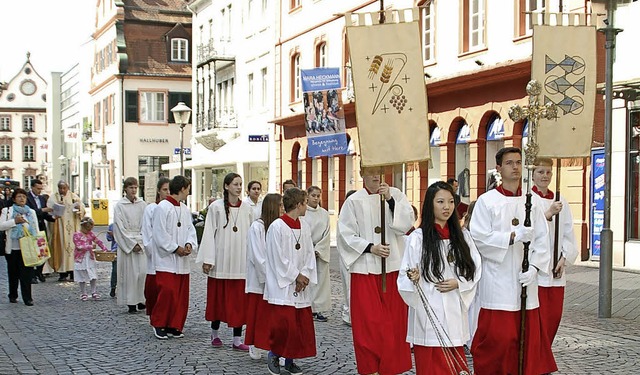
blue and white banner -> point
(323, 112)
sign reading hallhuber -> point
(323, 112)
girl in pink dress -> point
(85, 260)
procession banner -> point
(389, 87)
(564, 62)
(323, 112)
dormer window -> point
(179, 50)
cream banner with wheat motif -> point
(388, 81)
(564, 62)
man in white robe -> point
(132, 262)
(497, 227)
(552, 283)
(378, 319)
(318, 219)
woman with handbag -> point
(14, 220)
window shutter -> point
(131, 99)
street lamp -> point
(181, 114)
(90, 146)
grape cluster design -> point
(398, 102)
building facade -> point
(141, 68)
(24, 150)
(233, 85)
(477, 62)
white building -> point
(24, 150)
(233, 85)
(141, 68)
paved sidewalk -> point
(62, 334)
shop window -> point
(633, 231)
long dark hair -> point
(270, 209)
(228, 179)
(432, 262)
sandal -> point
(84, 297)
(95, 296)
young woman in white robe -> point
(223, 257)
(444, 262)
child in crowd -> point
(84, 268)
(257, 333)
(291, 267)
(443, 261)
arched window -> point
(296, 90)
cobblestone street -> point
(62, 334)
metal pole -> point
(182, 149)
(606, 236)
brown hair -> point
(270, 209)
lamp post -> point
(90, 146)
(181, 114)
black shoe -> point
(29, 302)
(319, 317)
(132, 309)
(113, 292)
(175, 333)
(273, 364)
(41, 278)
(62, 278)
(160, 333)
(13, 300)
(34, 280)
(293, 369)
(142, 306)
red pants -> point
(150, 293)
(226, 301)
(292, 332)
(496, 344)
(432, 360)
(379, 325)
(172, 305)
(551, 301)
(258, 329)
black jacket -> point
(42, 216)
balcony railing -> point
(215, 49)
(223, 118)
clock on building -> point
(28, 87)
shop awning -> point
(464, 134)
(435, 137)
(496, 130)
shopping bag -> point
(35, 250)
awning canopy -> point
(239, 150)
(496, 130)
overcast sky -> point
(52, 30)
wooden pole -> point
(556, 235)
(383, 210)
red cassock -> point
(496, 344)
(379, 325)
(172, 305)
(150, 293)
(226, 301)
(292, 332)
(551, 301)
(258, 329)
(432, 360)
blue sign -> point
(435, 137)
(464, 134)
(332, 144)
(259, 138)
(496, 130)
(597, 199)
(187, 151)
(320, 79)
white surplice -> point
(132, 267)
(285, 263)
(147, 236)
(451, 308)
(566, 241)
(318, 220)
(167, 236)
(256, 207)
(256, 258)
(223, 248)
(494, 217)
(359, 217)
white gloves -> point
(523, 234)
(527, 278)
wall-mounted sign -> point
(154, 140)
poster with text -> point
(323, 112)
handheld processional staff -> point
(532, 113)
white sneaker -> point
(254, 352)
